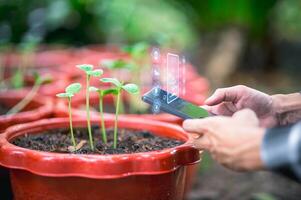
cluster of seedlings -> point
(116, 90)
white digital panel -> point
(156, 76)
(183, 76)
(173, 76)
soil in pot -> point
(129, 141)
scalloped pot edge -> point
(98, 166)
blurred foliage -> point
(249, 14)
(263, 196)
(287, 19)
(175, 23)
(81, 22)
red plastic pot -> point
(38, 108)
(156, 175)
(86, 56)
(43, 58)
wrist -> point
(287, 108)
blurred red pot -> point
(38, 108)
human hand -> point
(227, 101)
(232, 141)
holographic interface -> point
(168, 72)
(173, 77)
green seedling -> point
(26, 50)
(88, 69)
(25, 101)
(118, 64)
(130, 88)
(17, 80)
(70, 91)
(102, 94)
(138, 50)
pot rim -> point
(44, 109)
(98, 166)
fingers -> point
(224, 94)
(202, 143)
(225, 108)
(194, 125)
(248, 116)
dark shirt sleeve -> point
(281, 150)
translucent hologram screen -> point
(168, 72)
(173, 76)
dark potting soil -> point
(129, 141)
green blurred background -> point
(260, 38)
(252, 42)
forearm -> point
(287, 108)
(281, 150)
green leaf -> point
(140, 49)
(131, 88)
(64, 95)
(73, 88)
(109, 91)
(93, 89)
(117, 64)
(85, 67)
(17, 80)
(137, 50)
(95, 73)
(111, 80)
(37, 77)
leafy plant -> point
(88, 69)
(24, 102)
(138, 50)
(139, 54)
(70, 91)
(102, 94)
(118, 64)
(130, 88)
(26, 50)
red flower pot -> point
(45, 63)
(38, 108)
(150, 175)
(42, 58)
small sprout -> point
(102, 94)
(131, 88)
(70, 91)
(85, 67)
(73, 88)
(27, 99)
(137, 50)
(112, 80)
(118, 64)
(88, 69)
(17, 80)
